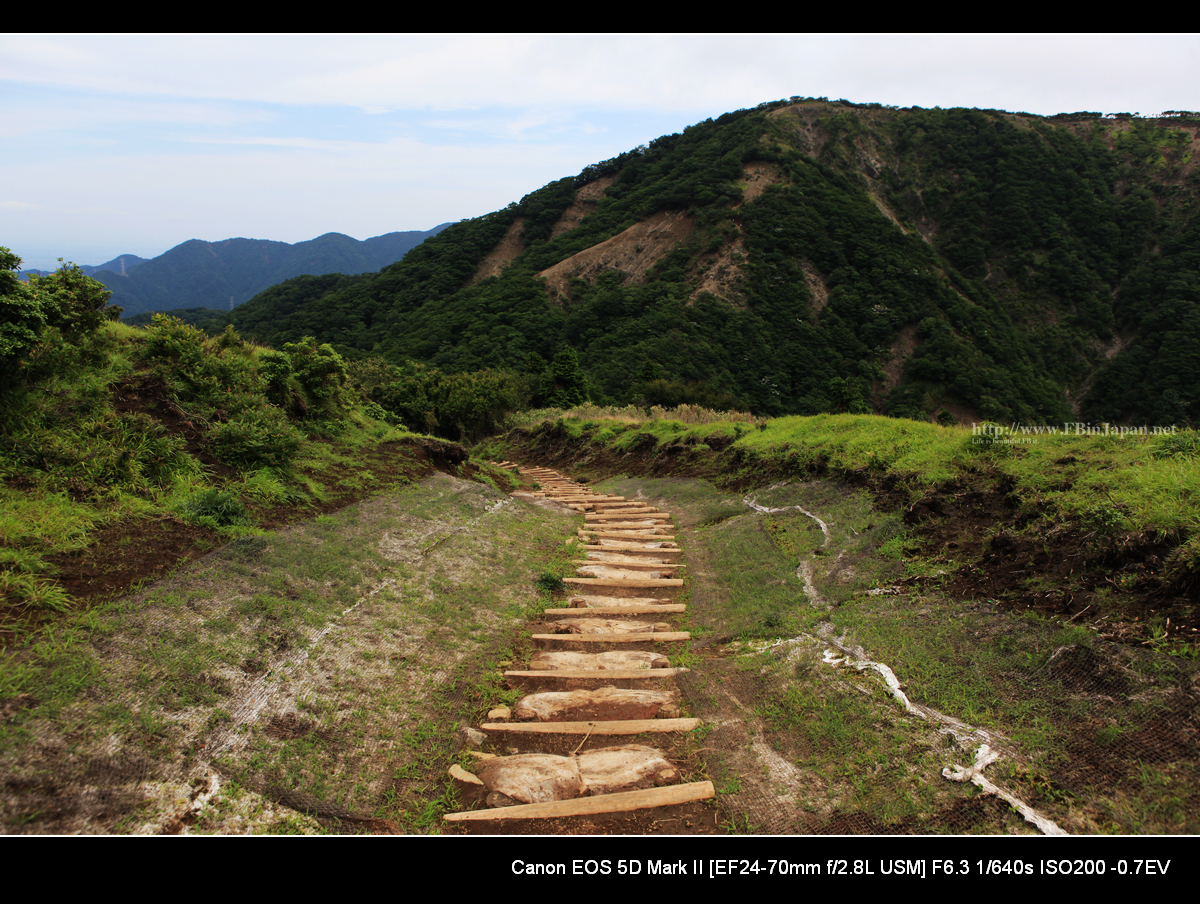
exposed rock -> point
(608, 626)
(629, 659)
(472, 737)
(606, 602)
(536, 777)
(602, 704)
(499, 714)
(615, 558)
(625, 768)
(470, 787)
(531, 778)
(623, 574)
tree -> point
(67, 300)
(568, 386)
(21, 318)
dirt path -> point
(575, 705)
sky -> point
(116, 144)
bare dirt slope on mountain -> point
(633, 251)
(507, 251)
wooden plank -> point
(597, 729)
(600, 563)
(623, 582)
(620, 802)
(662, 532)
(625, 513)
(605, 674)
(644, 637)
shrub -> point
(256, 438)
(216, 509)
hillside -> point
(809, 256)
(221, 275)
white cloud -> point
(148, 140)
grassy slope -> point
(1087, 701)
(1123, 505)
(319, 670)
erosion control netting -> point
(839, 699)
(307, 680)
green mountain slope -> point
(809, 256)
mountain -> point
(223, 275)
(809, 256)
(120, 263)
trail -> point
(601, 695)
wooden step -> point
(619, 802)
(604, 674)
(652, 637)
(625, 582)
(623, 513)
(627, 533)
(596, 729)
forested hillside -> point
(808, 256)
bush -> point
(197, 369)
(216, 509)
(261, 437)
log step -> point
(620, 802)
(664, 637)
(617, 727)
(625, 582)
(606, 674)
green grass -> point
(1134, 482)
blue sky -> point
(116, 144)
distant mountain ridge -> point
(225, 274)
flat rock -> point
(607, 626)
(531, 778)
(615, 558)
(625, 574)
(625, 768)
(605, 704)
(629, 767)
(631, 659)
(613, 602)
